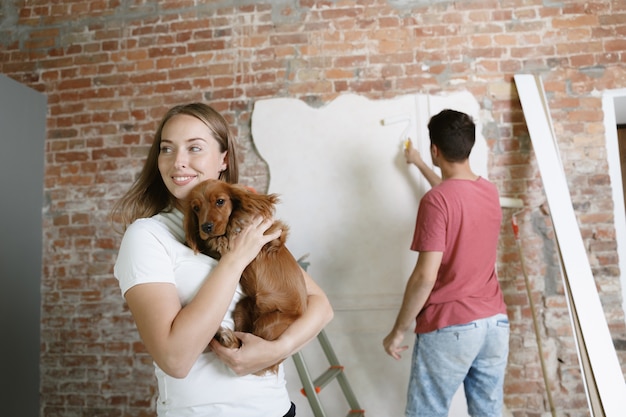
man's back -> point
(460, 218)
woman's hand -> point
(254, 354)
(247, 244)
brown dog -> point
(273, 283)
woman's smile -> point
(189, 154)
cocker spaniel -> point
(273, 282)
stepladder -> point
(311, 388)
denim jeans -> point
(474, 354)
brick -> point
(577, 21)
(288, 39)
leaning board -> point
(604, 382)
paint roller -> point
(508, 202)
(402, 118)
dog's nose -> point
(207, 227)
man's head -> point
(453, 133)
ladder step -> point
(323, 380)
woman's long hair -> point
(148, 195)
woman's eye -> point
(195, 149)
(166, 149)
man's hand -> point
(393, 344)
(411, 154)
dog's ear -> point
(253, 203)
(273, 198)
(191, 226)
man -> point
(453, 299)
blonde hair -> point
(148, 195)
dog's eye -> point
(195, 208)
(220, 202)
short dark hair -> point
(454, 133)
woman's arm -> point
(174, 335)
(256, 354)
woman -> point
(179, 299)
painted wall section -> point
(351, 201)
(345, 187)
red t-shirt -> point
(460, 218)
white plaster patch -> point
(351, 201)
(345, 187)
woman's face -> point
(189, 154)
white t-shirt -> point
(153, 250)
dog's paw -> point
(227, 338)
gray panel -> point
(22, 136)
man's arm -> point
(418, 289)
(413, 156)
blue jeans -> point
(474, 354)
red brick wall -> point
(111, 68)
